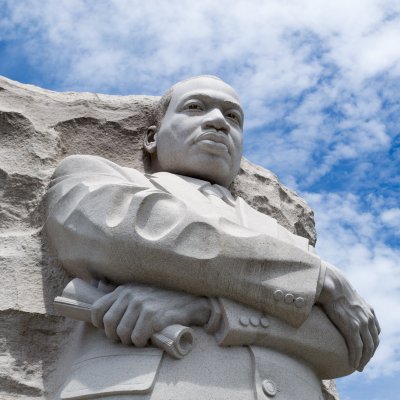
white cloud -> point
(391, 217)
(279, 39)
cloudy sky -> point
(320, 85)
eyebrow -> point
(229, 103)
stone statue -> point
(175, 248)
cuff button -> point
(244, 321)
(278, 295)
(254, 321)
(289, 298)
(299, 302)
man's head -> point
(199, 132)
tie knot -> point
(220, 192)
(211, 190)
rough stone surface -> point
(38, 128)
(262, 190)
(329, 390)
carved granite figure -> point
(270, 318)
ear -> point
(150, 141)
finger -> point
(143, 328)
(113, 316)
(355, 347)
(100, 307)
(378, 327)
(128, 322)
(374, 332)
(368, 348)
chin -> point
(216, 170)
(212, 169)
(214, 176)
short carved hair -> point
(163, 103)
(162, 106)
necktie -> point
(220, 202)
(219, 192)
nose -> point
(214, 119)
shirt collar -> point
(200, 184)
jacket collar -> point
(168, 178)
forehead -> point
(212, 88)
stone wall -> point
(38, 128)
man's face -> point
(201, 134)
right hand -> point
(133, 313)
(354, 318)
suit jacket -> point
(111, 222)
(106, 221)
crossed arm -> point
(107, 222)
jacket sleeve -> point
(105, 221)
(317, 341)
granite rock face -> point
(38, 128)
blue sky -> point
(320, 85)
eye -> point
(193, 105)
(234, 116)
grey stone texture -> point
(38, 128)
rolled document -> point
(76, 302)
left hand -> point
(132, 313)
(354, 318)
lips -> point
(213, 138)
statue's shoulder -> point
(79, 163)
(90, 165)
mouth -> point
(218, 142)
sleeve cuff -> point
(215, 318)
